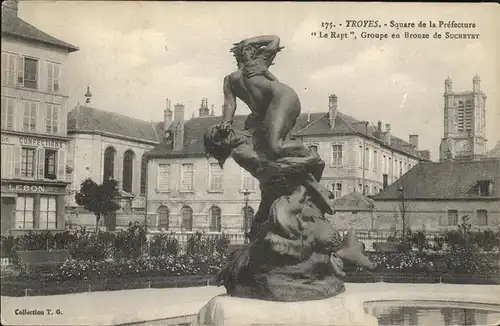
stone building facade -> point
(188, 192)
(108, 145)
(464, 123)
(33, 129)
(437, 195)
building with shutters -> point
(33, 126)
(188, 192)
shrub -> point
(163, 244)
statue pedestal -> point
(341, 310)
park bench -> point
(42, 259)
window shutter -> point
(3, 159)
(20, 70)
(17, 161)
(62, 120)
(9, 163)
(61, 163)
(49, 66)
(41, 162)
(5, 68)
(56, 85)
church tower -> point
(464, 123)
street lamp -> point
(246, 197)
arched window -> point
(128, 166)
(187, 218)
(144, 171)
(215, 219)
(109, 163)
(247, 213)
(163, 217)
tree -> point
(99, 199)
(405, 207)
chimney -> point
(414, 141)
(332, 110)
(167, 115)
(179, 128)
(384, 182)
(204, 112)
(10, 6)
(388, 134)
(379, 129)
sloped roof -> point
(445, 180)
(16, 27)
(495, 151)
(83, 119)
(345, 124)
(353, 201)
(195, 128)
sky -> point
(135, 54)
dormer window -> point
(484, 187)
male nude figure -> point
(275, 106)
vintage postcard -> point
(250, 163)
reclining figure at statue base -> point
(295, 253)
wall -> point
(433, 214)
(350, 174)
(230, 200)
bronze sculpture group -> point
(294, 252)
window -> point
(247, 214)
(360, 187)
(163, 217)
(248, 181)
(360, 156)
(8, 113)
(367, 158)
(313, 149)
(24, 212)
(53, 77)
(336, 155)
(336, 189)
(30, 73)
(375, 161)
(50, 165)
(482, 217)
(384, 159)
(452, 217)
(8, 69)
(144, 173)
(28, 162)
(187, 218)
(374, 191)
(109, 163)
(389, 166)
(48, 212)
(215, 219)
(128, 167)
(52, 119)
(215, 177)
(187, 177)
(400, 168)
(29, 116)
(483, 188)
(164, 177)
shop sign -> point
(26, 188)
(39, 142)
